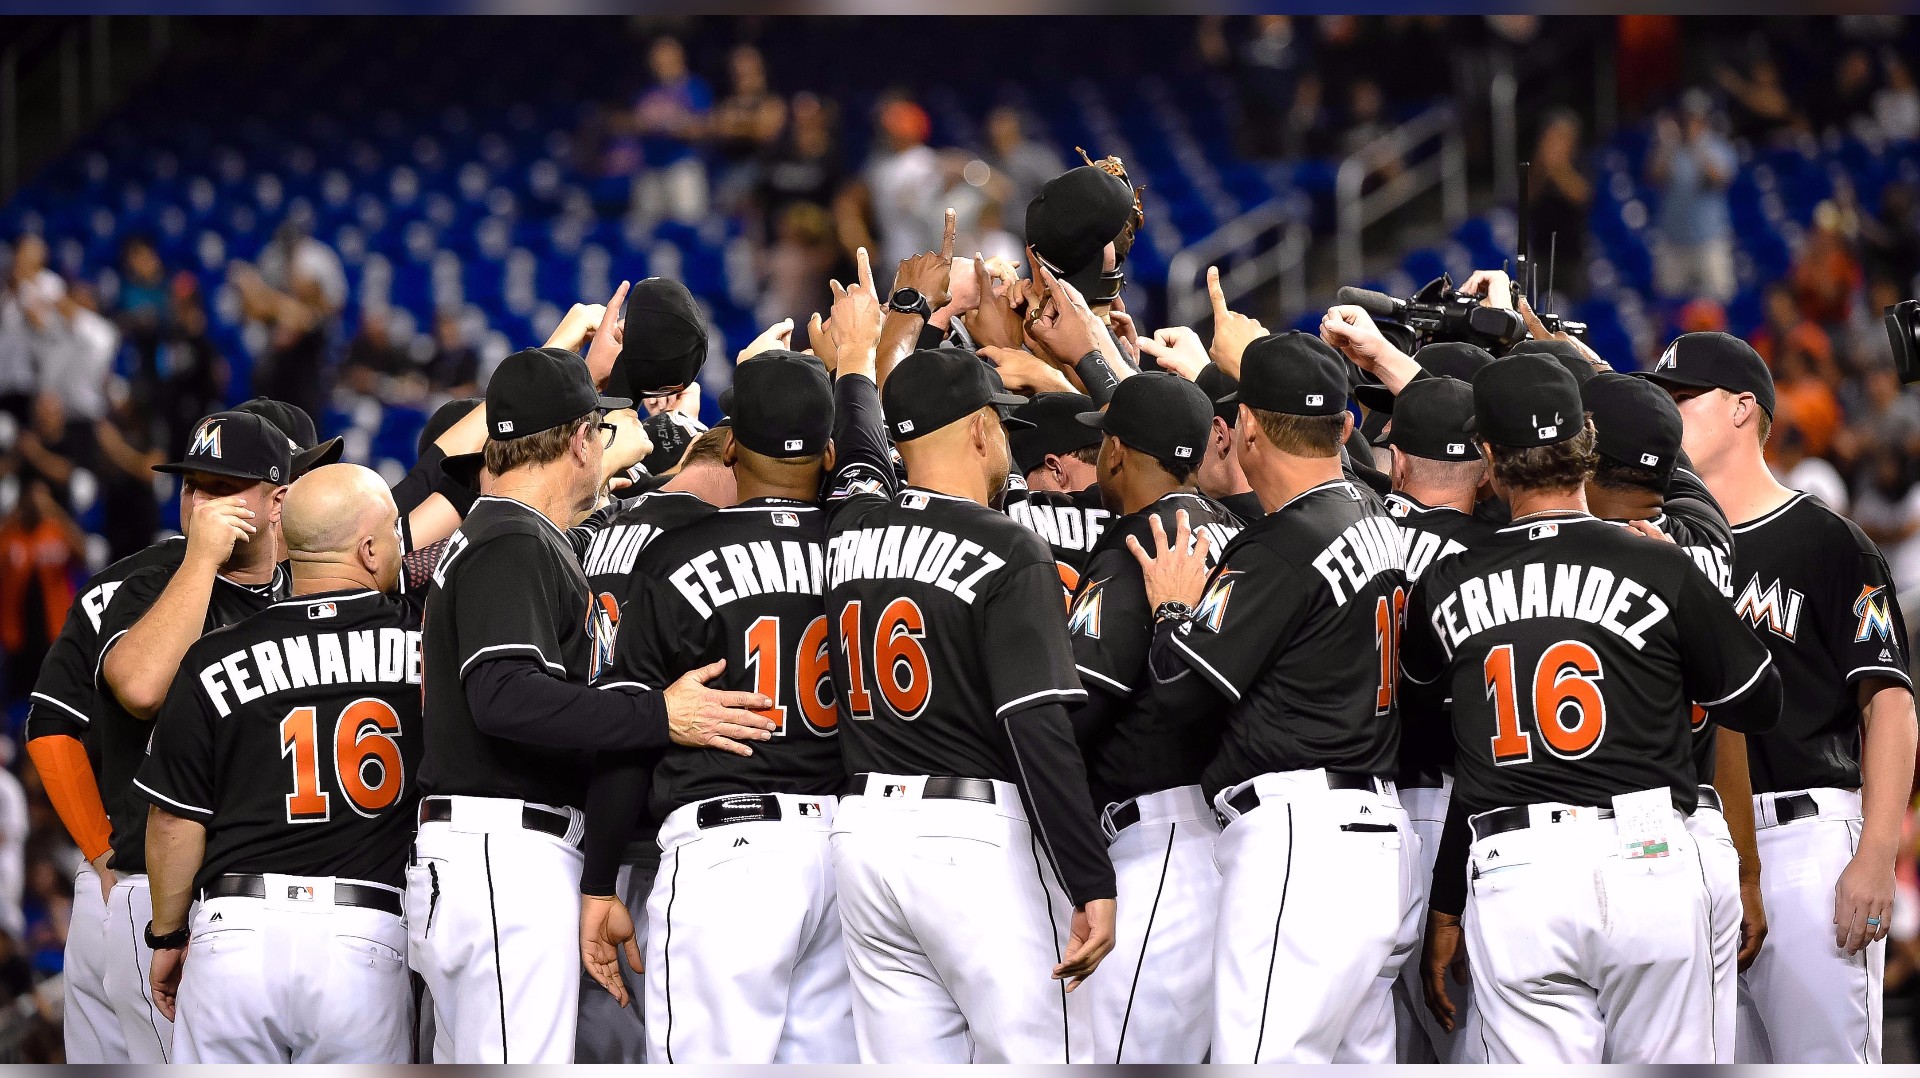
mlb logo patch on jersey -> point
(322, 611)
(1543, 531)
(299, 893)
(913, 500)
(784, 519)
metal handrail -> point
(1285, 261)
(1447, 170)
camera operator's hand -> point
(1494, 288)
(1231, 332)
(1539, 332)
(1023, 372)
(995, 322)
(1351, 332)
(1178, 349)
(930, 272)
(1066, 328)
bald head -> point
(338, 522)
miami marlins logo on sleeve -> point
(1212, 611)
(1084, 616)
(206, 440)
(603, 623)
(1871, 609)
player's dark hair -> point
(1087, 454)
(1627, 478)
(1564, 465)
(535, 449)
(1304, 435)
(1766, 424)
(1180, 471)
(705, 449)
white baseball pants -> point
(1152, 998)
(91, 1028)
(493, 926)
(953, 923)
(280, 980)
(744, 958)
(1720, 863)
(1419, 1038)
(147, 1033)
(1581, 955)
(1804, 1000)
(1317, 893)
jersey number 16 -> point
(366, 760)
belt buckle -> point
(1106, 821)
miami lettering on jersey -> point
(361, 657)
(898, 552)
(1765, 608)
(1589, 593)
(715, 578)
(1871, 609)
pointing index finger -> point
(612, 313)
(1214, 293)
(946, 241)
(866, 271)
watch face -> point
(908, 298)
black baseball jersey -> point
(1139, 749)
(743, 585)
(615, 548)
(1817, 592)
(1429, 534)
(1245, 505)
(508, 584)
(1071, 523)
(1573, 650)
(1296, 629)
(63, 700)
(123, 738)
(1693, 520)
(294, 736)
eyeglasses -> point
(612, 432)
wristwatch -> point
(910, 301)
(1172, 610)
(172, 941)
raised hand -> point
(995, 322)
(216, 526)
(858, 312)
(1066, 328)
(1232, 331)
(1178, 349)
(930, 272)
(608, 337)
(779, 335)
(1023, 372)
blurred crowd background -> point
(364, 216)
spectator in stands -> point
(1826, 275)
(805, 165)
(896, 192)
(294, 368)
(1886, 505)
(1896, 105)
(1561, 195)
(299, 265)
(195, 373)
(1307, 127)
(1367, 119)
(1890, 243)
(746, 126)
(1023, 163)
(1267, 59)
(28, 297)
(14, 825)
(672, 118)
(1692, 165)
(797, 266)
(48, 909)
(144, 310)
(372, 355)
(1849, 97)
(1794, 468)
(128, 453)
(55, 446)
(454, 367)
(79, 351)
(1805, 400)
(1762, 112)
(39, 547)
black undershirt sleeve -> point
(1450, 862)
(1053, 778)
(1093, 719)
(616, 796)
(514, 697)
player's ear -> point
(827, 457)
(729, 452)
(1346, 428)
(274, 501)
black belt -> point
(344, 893)
(1249, 799)
(1710, 799)
(1421, 779)
(1515, 818)
(937, 788)
(1790, 807)
(545, 821)
(1124, 815)
(750, 808)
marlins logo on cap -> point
(206, 440)
(1669, 359)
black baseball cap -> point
(671, 433)
(1526, 401)
(1076, 214)
(1635, 422)
(1434, 420)
(443, 419)
(1565, 353)
(1714, 361)
(1218, 385)
(1292, 373)
(1448, 359)
(782, 405)
(309, 452)
(538, 389)
(238, 444)
(937, 386)
(664, 342)
(1162, 415)
(1056, 428)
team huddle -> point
(996, 683)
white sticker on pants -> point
(1642, 820)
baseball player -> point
(235, 472)
(1316, 856)
(1219, 476)
(1056, 496)
(1152, 1003)
(513, 638)
(279, 784)
(974, 888)
(1831, 781)
(1571, 650)
(1436, 472)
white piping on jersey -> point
(1315, 490)
(1218, 680)
(783, 507)
(625, 685)
(171, 801)
(323, 597)
(101, 663)
(515, 501)
(1798, 496)
(68, 708)
(1904, 677)
(1742, 690)
(1044, 694)
(1553, 516)
(935, 494)
(1415, 503)
(512, 647)
(1098, 676)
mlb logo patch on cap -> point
(505, 426)
(1457, 448)
(1182, 451)
(1548, 432)
(794, 444)
(905, 426)
(1315, 400)
(1651, 460)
